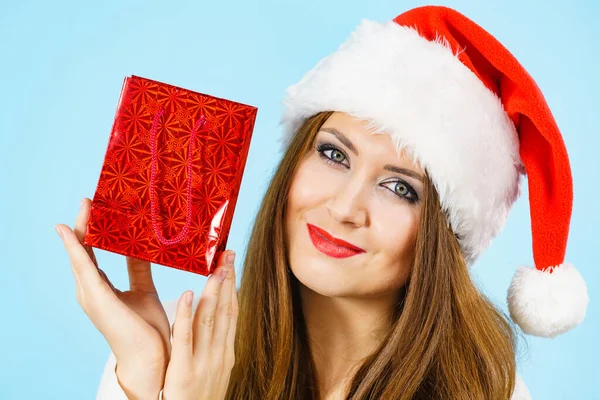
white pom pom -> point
(547, 304)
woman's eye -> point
(333, 155)
(336, 155)
(402, 190)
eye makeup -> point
(337, 158)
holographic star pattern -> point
(121, 219)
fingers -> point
(92, 284)
(224, 307)
(200, 342)
(230, 343)
(86, 274)
(206, 315)
(95, 293)
(105, 278)
(81, 224)
(182, 345)
(79, 229)
(140, 275)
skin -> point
(197, 364)
(347, 301)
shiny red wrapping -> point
(146, 204)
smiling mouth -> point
(330, 245)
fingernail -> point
(223, 274)
(82, 201)
(189, 297)
(230, 258)
(58, 231)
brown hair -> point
(447, 340)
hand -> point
(203, 344)
(133, 322)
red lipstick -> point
(330, 245)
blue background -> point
(61, 68)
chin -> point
(322, 288)
(330, 278)
(345, 278)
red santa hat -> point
(465, 109)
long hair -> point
(447, 340)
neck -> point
(342, 332)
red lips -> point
(331, 246)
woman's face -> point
(353, 212)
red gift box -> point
(171, 176)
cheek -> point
(310, 186)
(395, 232)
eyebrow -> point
(342, 138)
(404, 171)
(388, 167)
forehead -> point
(366, 142)
(350, 123)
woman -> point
(356, 283)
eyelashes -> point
(336, 157)
(332, 154)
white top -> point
(109, 388)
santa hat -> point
(467, 111)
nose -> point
(347, 204)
